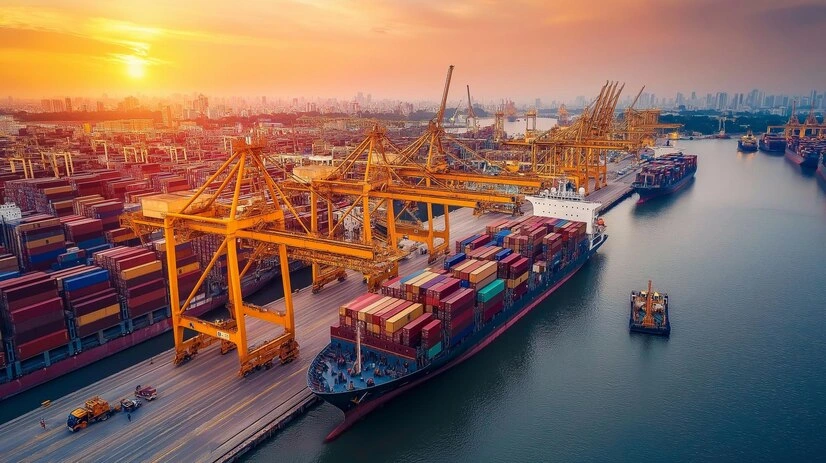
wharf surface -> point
(203, 412)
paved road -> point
(203, 410)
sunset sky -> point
(520, 49)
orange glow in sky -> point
(522, 49)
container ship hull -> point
(649, 193)
(806, 162)
(821, 173)
(68, 364)
(357, 404)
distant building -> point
(46, 105)
(68, 104)
(57, 106)
(100, 107)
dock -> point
(203, 412)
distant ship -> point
(805, 151)
(747, 143)
(664, 175)
(772, 143)
(649, 312)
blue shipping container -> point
(86, 279)
(454, 259)
(502, 254)
(412, 275)
(466, 332)
(91, 243)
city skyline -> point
(397, 51)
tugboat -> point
(747, 143)
(649, 312)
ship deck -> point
(205, 411)
(338, 375)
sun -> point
(135, 67)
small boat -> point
(649, 312)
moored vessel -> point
(649, 312)
(664, 175)
(771, 142)
(805, 151)
(427, 322)
(747, 143)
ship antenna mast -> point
(648, 320)
(357, 366)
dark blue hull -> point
(358, 403)
(821, 175)
(808, 162)
(648, 193)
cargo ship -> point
(805, 151)
(747, 143)
(649, 312)
(664, 175)
(772, 143)
(426, 322)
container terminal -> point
(319, 217)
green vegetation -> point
(707, 124)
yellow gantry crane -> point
(243, 205)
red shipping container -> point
(89, 290)
(94, 302)
(51, 341)
(36, 332)
(412, 332)
(149, 306)
(150, 296)
(98, 325)
(460, 322)
(432, 333)
(49, 306)
(145, 288)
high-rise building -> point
(202, 105)
(537, 103)
(57, 106)
(722, 100)
(100, 107)
(68, 104)
(46, 105)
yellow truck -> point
(95, 409)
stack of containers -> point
(188, 267)
(552, 244)
(36, 240)
(461, 244)
(32, 312)
(432, 338)
(411, 333)
(137, 275)
(118, 236)
(392, 288)
(491, 299)
(483, 275)
(454, 260)
(440, 291)
(9, 268)
(107, 211)
(89, 298)
(83, 232)
(44, 195)
(457, 314)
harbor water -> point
(741, 253)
